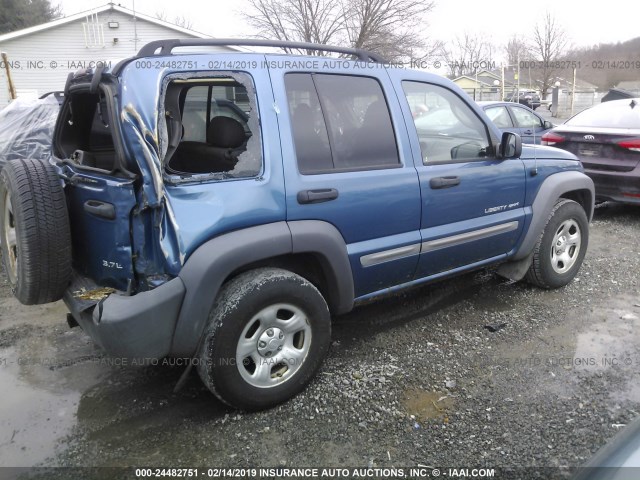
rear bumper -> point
(137, 327)
(617, 186)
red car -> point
(606, 139)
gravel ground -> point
(416, 379)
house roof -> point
(566, 83)
(479, 81)
(105, 8)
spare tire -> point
(34, 231)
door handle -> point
(100, 209)
(444, 182)
(317, 196)
(528, 132)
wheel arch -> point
(312, 249)
(572, 185)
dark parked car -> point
(606, 139)
(528, 98)
(512, 117)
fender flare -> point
(552, 188)
(212, 263)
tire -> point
(34, 231)
(279, 359)
(559, 253)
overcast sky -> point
(586, 25)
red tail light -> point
(632, 144)
(551, 138)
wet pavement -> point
(414, 379)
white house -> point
(40, 58)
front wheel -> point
(561, 248)
(268, 334)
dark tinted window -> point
(340, 123)
(309, 131)
(358, 121)
(615, 114)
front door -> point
(472, 203)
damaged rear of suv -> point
(221, 207)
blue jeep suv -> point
(222, 206)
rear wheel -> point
(268, 333)
(34, 231)
(561, 248)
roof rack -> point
(166, 46)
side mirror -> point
(510, 146)
(548, 125)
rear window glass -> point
(340, 123)
(615, 114)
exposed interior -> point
(85, 136)
(208, 126)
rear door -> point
(99, 192)
(348, 163)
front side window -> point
(340, 123)
(525, 119)
(212, 128)
(449, 130)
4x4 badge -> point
(589, 137)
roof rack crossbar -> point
(165, 47)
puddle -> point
(32, 419)
(43, 372)
(427, 406)
(611, 342)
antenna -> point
(534, 171)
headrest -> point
(225, 132)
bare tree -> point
(315, 21)
(389, 27)
(549, 44)
(516, 50)
(467, 55)
(179, 20)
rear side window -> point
(309, 130)
(340, 123)
(213, 128)
(499, 116)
